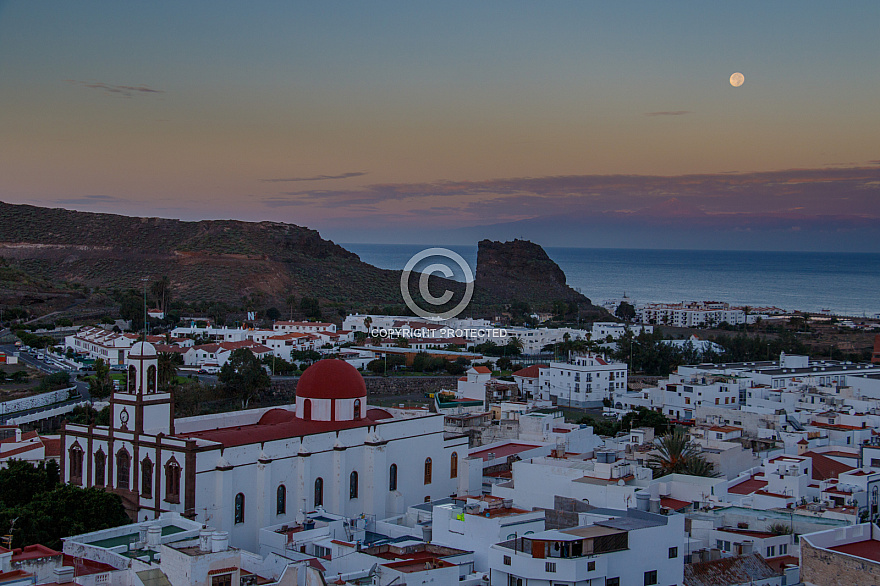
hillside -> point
(224, 260)
(45, 250)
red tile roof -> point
(748, 487)
(32, 552)
(530, 371)
(482, 370)
(502, 451)
(674, 504)
(279, 424)
(825, 468)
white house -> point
(628, 547)
(583, 381)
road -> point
(32, 361)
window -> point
(453, 465)
(591, 566)
(221, 580)
(428, 499)
(353, 485)
(76, 464)
(307, 410)
(650, 577)
(100, 468)
(771, 551)
(132, 380)
(507, 560)
(875, 462)
(281, 500)
(238, 512)
(357, 408)
(123, 469)
(392, 477)
(428, 471)
(612, 581)
(550, 567)
(319, 492)
(673, 553)
(147, 478)
(172, 481)
(151, 379)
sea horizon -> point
(842, 283)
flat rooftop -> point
(868, 549)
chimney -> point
(64, 575)
(643, 501)
(205, 540)
(154, 537)
(220, 541)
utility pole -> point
(145, 279)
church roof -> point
(277, 424)
(331, 379)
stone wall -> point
(826, 568)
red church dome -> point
(331, 379)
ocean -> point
(844, 283)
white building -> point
(618, 548)
(690, 314)
(107, 345)
(584, 381)
(475, 523)
(245, 470)
(304, 327)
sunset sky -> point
(570, 123)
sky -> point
(580, 123)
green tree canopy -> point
(677, 454)
(244, 375)
(44, 511)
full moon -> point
(737, 79)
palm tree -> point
(677, 454)
(167, 370)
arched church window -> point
(357, 408)
(76, 463)
(428, 470)
(453, 465)
(307, 410)
(151, 379)
(319, 492)
(132, 380)
(123, 469)
(281, 500)
(239, 508)
(147, 478)
(100, 467)
(392, 477)
(353, 485)
(172, 481)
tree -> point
(243, 375)
(273, 313)
(100, 385)
(644, 417)
(503, 363)
(46, 511)
(310, 307)
(88, 415)
(167, 373)
(161, 290)
(679, 455)
(291, 305)
(625, 311)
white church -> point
(245, 470)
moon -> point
(737, 79)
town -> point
(392, 450)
